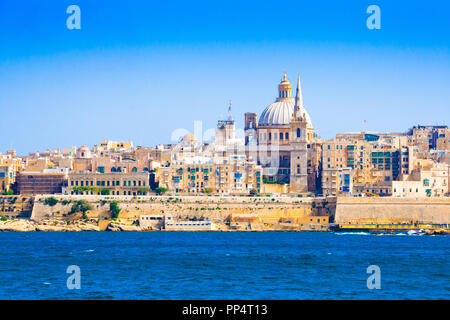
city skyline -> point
(117, 80)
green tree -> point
(80, 206)
(160, 190)
(253, 192)
(51, 201)
(115, 210)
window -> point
(281, 135)
(286, 136)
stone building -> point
(113, 183)
(281, 140)
(32, 183)
(427, 179)
(232, 175)
(374, 161)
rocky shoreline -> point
(24, 225)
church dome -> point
(83, 149)
(278, 113)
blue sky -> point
(138, 70)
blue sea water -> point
(223, 265)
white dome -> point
(280, 113)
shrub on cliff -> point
(51, 201)
(80, 206)
(115, 210)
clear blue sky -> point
(137, 70)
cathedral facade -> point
(283, 141)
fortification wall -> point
(268, 209)
(392, 210)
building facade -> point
(95, 183)
(281, 140)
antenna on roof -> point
(230, 117)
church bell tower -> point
(298, 180)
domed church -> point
(280, 140)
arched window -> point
(270, 135)
(286, 136)
(134, 169)
(298, 132)
(298, 169)
(113, 169)
(281, 135)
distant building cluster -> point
(279, 153)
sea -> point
(223, 265)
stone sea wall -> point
(392, 210)
(266, 209)
(267, 212)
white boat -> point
(416, 232)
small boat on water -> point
(414, 232)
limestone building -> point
(281, 140)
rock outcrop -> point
(18, 225)
(115, 226)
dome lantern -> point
(284, 89)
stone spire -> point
(298, 106)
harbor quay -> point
(225, 213)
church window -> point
(286, 136)
(281, 135)
(298, 132)
(298, 169)
(270, 136)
